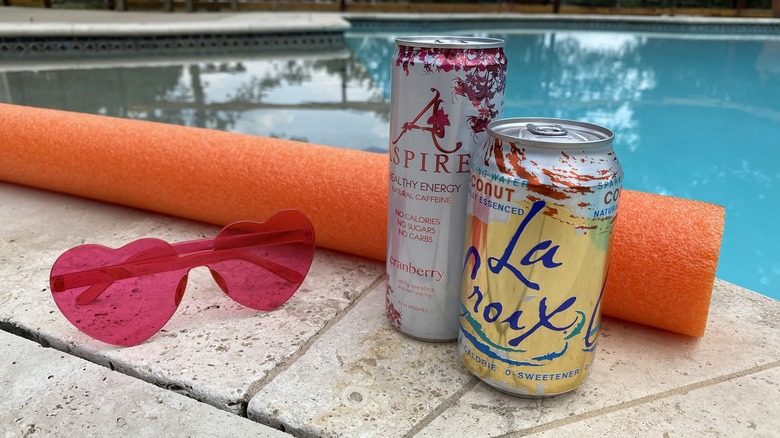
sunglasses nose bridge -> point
(180, 288)
(219, 280)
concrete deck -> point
(16, 21)
(327, 363)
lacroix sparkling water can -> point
(444, 92)
(543, 197)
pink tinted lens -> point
(286, 262)
(124, 312)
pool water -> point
(695, 116)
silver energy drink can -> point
(543, 196)
(444, 92)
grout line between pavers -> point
(443, 406)
(255, 387)
(640, 401)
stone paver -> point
(362, 378)
(46, 392)
(740, 407)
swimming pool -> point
(695, 115)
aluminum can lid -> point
(533, 131)
(450, 42)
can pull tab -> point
(451, 41)
(547, 129)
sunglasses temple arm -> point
(93, 277)
(284, 272)
(246, 240)
(98, 281)
(219, 255)
(92, 293)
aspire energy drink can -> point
(543, 197)
(444, 92)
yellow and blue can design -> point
(539, 228)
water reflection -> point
(310, 97)
(694, 117)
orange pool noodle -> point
(665, 249)
(664, 257)
(211, 176)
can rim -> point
(449, 42)
(604, 135)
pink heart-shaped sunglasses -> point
(124, 296)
